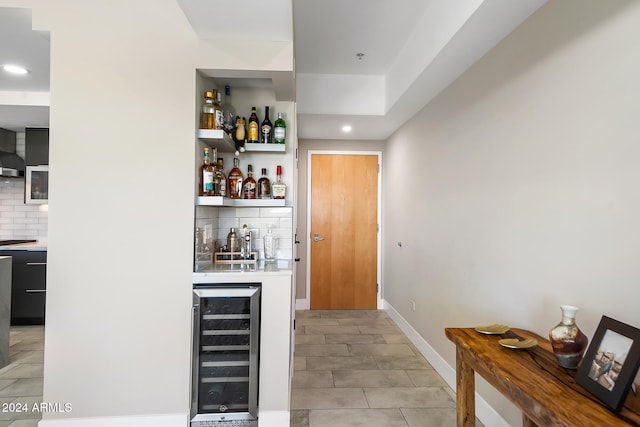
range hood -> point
(11, 165)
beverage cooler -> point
(225, 355)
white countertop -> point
(262, 268)
(32, 246)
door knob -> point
(317, 238)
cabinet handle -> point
(36, 263)
(35, 291)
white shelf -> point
(225, 201)
(217, 138)
(256, 147)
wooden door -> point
(344, 216)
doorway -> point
(344, 243)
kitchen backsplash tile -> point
(258, 220)
(18, 220)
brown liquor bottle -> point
(206, 175)
(249, 185)
(234, 180)
(254, 127)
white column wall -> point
(516, 189)
(122, 147)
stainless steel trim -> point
(36, 263)
(35, 291)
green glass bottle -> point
(279, 130)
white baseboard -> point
(167, 420)
(302, 304)
(484, 412)
(265, 419)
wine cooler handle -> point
(317, 238)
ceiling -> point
(411, 51)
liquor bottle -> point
(254, 133)
(249, 185)
(266, 128)
(279, 188)
(241, 131)
(220, 178)
(264, 186)
(279, 130)
(206, 175)
(228, 111)
(207, 117)
(219, 116)
(234, 180)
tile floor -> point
(21, 380)
(355, 368)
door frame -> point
(379, 299)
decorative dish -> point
(518, 344)
(495, 329)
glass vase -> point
(567, 340)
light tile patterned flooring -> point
(21, 379)
(355, 368)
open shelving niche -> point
(250, 89)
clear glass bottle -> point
(219, 179)
(208, 114)
(228, 112)
(219, 116)
(206, 175)
(264, 186)
(249, 185)
(254, 127)
(266, 130)
(279, 130)
(234, 180)
(269, 244)
(279, 188)
(567, 340)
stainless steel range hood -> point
(11, 165)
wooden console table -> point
(532, 379)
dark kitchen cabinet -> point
(28, 286)
(36, 146)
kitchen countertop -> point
(33, 246)
(277, 267)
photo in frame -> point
(611, 362)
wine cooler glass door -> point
(225, 371)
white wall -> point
(519, 184)
(122, 150)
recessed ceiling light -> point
(346, 128)
(14, 69)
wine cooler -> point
(225, 355)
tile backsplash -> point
(18, 220)
(215, 222)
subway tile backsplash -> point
(18, 220)
(215, 223)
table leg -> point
(528, 422)
(465, 392)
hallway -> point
(356, 368)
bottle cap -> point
(279, 170)
(250, 168)
(264, 171)
(208, 94)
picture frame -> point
(611, 362)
